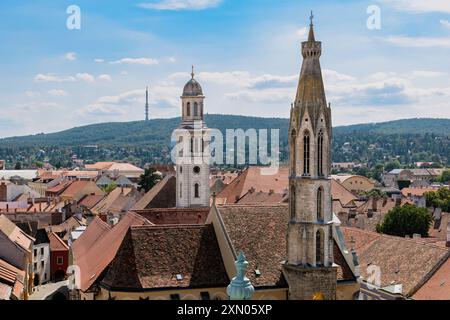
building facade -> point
(192, 156)
(309, 268)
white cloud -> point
(302, 33)
(143, 61)
(104, 77)
(180, 4)
(70, 56)
(417, 42)
(51, 77)
(57, 93)
(99, 60)
(445, 23)
(32, 94)
(419, 6)
(85, 77)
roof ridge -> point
(169, 226)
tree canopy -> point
(148, 180)
(406, 221)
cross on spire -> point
(311, 18)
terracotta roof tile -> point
(97, 258)
(96, 229)
(90, 200)
(401, 261)
(260, 231)
(56, 243)
(163, 193)
(438, 286)
(175, 216)
(15, 234)
(152, 257)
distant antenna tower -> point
(146, 104)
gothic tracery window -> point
(293, 153)
(320, 154)
(320, 204)
(320, 248)
(306, 153)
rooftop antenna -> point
(146, 104)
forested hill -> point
(141, 142)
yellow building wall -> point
(346, 291)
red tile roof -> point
(252, 178)
(151, 257)
(91, 200)
(60, 187)
(96, 230)
(438, 286)
(56, 243)
(175, 216)
(260, 232)
(401, 261)
(95, 260)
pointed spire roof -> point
(311, 37)
(311, 92)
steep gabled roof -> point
(96, 229)
(97, 258)
(151, 257)
(163, 190)
(56, 243)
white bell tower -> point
(193, 149)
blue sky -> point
(246, 55)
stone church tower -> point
(192, 149)
(309, 268)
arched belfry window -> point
(197, 190)
(306, 153)
(188, 109)
(320, 254)
(292, 197)
(195, 109)
(320, 204)
(293, 153)
(320, 154)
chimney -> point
(375, 204)
(448, 235)
(3, 192)
(271, 192)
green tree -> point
(445, 177)
(392, 165)
(110, 187)
(18, 166)
(439, 199)
(406, 220)
(148, 180)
